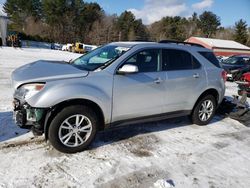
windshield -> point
(99, 57)
(234, 60)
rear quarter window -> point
(211, 58)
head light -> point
(30, 90)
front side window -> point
(146, 60)
(178, 60)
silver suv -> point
(116, 84)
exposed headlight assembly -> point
(29, 90)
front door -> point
(139, 94)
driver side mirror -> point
(128, 69)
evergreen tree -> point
(124, 24)
(241, 32)
(20, 10)
(131, 28)
(208, 23)
(248, 40)
(170, 28)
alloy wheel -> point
(206, 110)
(75, 130)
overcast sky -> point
(149, 11)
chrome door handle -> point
(196, 75)
(158, 80)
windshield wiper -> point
(70, 61)
(107, 63)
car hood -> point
(42, 71)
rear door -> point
(185, 79)
(139, 94)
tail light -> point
(224, 75)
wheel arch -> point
(210, 91)
(53, 111)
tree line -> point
(67, 21)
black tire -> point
(53, 132)
(195, 114)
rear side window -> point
(178, 60)
(211, 58)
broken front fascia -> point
(34, 114)
(27, 116)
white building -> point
(3, 25)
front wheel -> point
(73, 129)
(204, 110)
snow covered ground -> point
(170, 153)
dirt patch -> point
(142, 153)
(239, 136)
(220, 145)
(55, 171)
(37, 140)
(141, 146)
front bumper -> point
(27, 117)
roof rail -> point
(140, 40)
(182, 43)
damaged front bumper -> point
(28, 117)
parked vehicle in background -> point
(113, 85)
(89, 48)
(78, 48)
(220, 58)
(242, 78)
(56, 46)
(69, 47)
(244, 84)
(237, 74)
(234, 63)
(13, 39)
(64, 47)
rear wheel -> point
(204, 110)
(73, 129)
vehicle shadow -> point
(117, 134)
(8, 128)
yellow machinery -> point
(78, 47)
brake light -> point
(224, 75)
